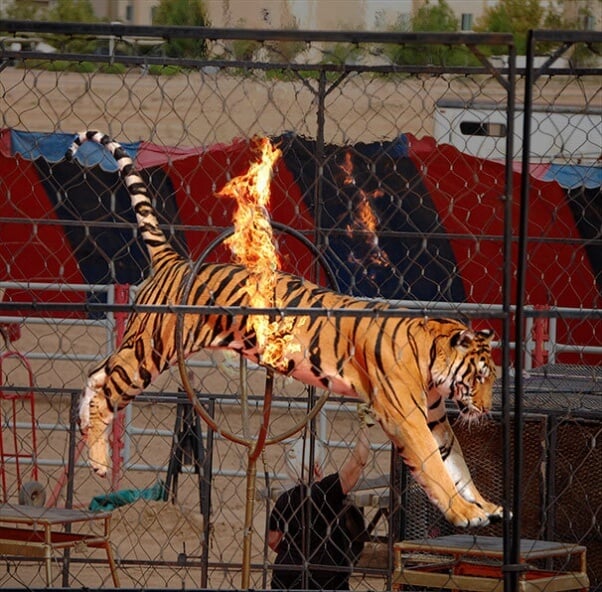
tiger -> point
(403, 367)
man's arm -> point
(351, 471)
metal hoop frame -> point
(267, 394)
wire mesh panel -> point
(564, 137)
(383, 191)
(561, 127)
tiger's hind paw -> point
(96, 434)
(98, 454)
(89, 402)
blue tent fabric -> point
(52, 147)
(571, 176)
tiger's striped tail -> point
(146, 216)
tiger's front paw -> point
(467, 514)
(496, 513)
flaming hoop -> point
(253, 246)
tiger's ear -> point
(462, 339)
(486, 335)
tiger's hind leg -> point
(110, 388)
(95, 418)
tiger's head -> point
(462, 369)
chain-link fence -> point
(397, 181)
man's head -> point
(298, 457)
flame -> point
(252, 245)
(365, 220)
(347, 168)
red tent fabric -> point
(406, 219)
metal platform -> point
(560, 389)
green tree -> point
(555, 18)
(513, 16)
(75, 11)
(433, 17)
(26, 10)
(189, 13)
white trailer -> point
(561, 135)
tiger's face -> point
(465, 372)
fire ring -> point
(198, 407)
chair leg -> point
(48, 565)
(48, 554)
(112, 565)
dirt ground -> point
(202, 108)
(199, 109)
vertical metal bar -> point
(48, 553)
(398, 503)
(206, 495)
(174, 467)
(16, 446)
(552, 339)
(122, 296)
(72, 457)
(319, 156)
(265, 571)
(248, 528)
(512, 574)
(506, 305)
(529, 345)
(2, 453)
(549, 517)
(199, 452)
(243, 381)
(70, 473)
(540, 336)
(254, 451)
(318, 241)
(306, 504)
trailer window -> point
(483, 128)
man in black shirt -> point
(321, 504)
